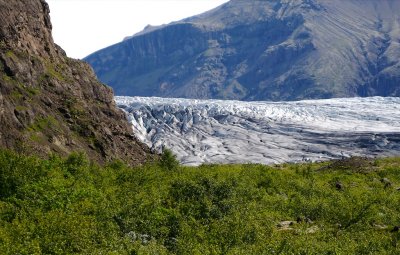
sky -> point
(82, 27)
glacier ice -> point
(219, 131)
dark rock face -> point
(50, 103)
(263, 50)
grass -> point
(19, 89)
(52, 72)
(21, 108)
(71, 206)
(43, 123)
(10, 54)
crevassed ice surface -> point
(215, 131)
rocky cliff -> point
(263, 50)
(50, 103)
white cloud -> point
(81, 27)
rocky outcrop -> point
(50, 103)
(263, 50)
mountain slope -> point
(257, 50)
(50, 103)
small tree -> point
(168, 160)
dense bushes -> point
(70, 206)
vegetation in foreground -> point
(70, 206)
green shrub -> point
(168, 160)
(70, 206)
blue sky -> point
(81, 27)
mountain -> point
(263, 50)
(51, 104)
(224, 131)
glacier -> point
(224, 131)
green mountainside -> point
(69, 206)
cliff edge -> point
(50, 103)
